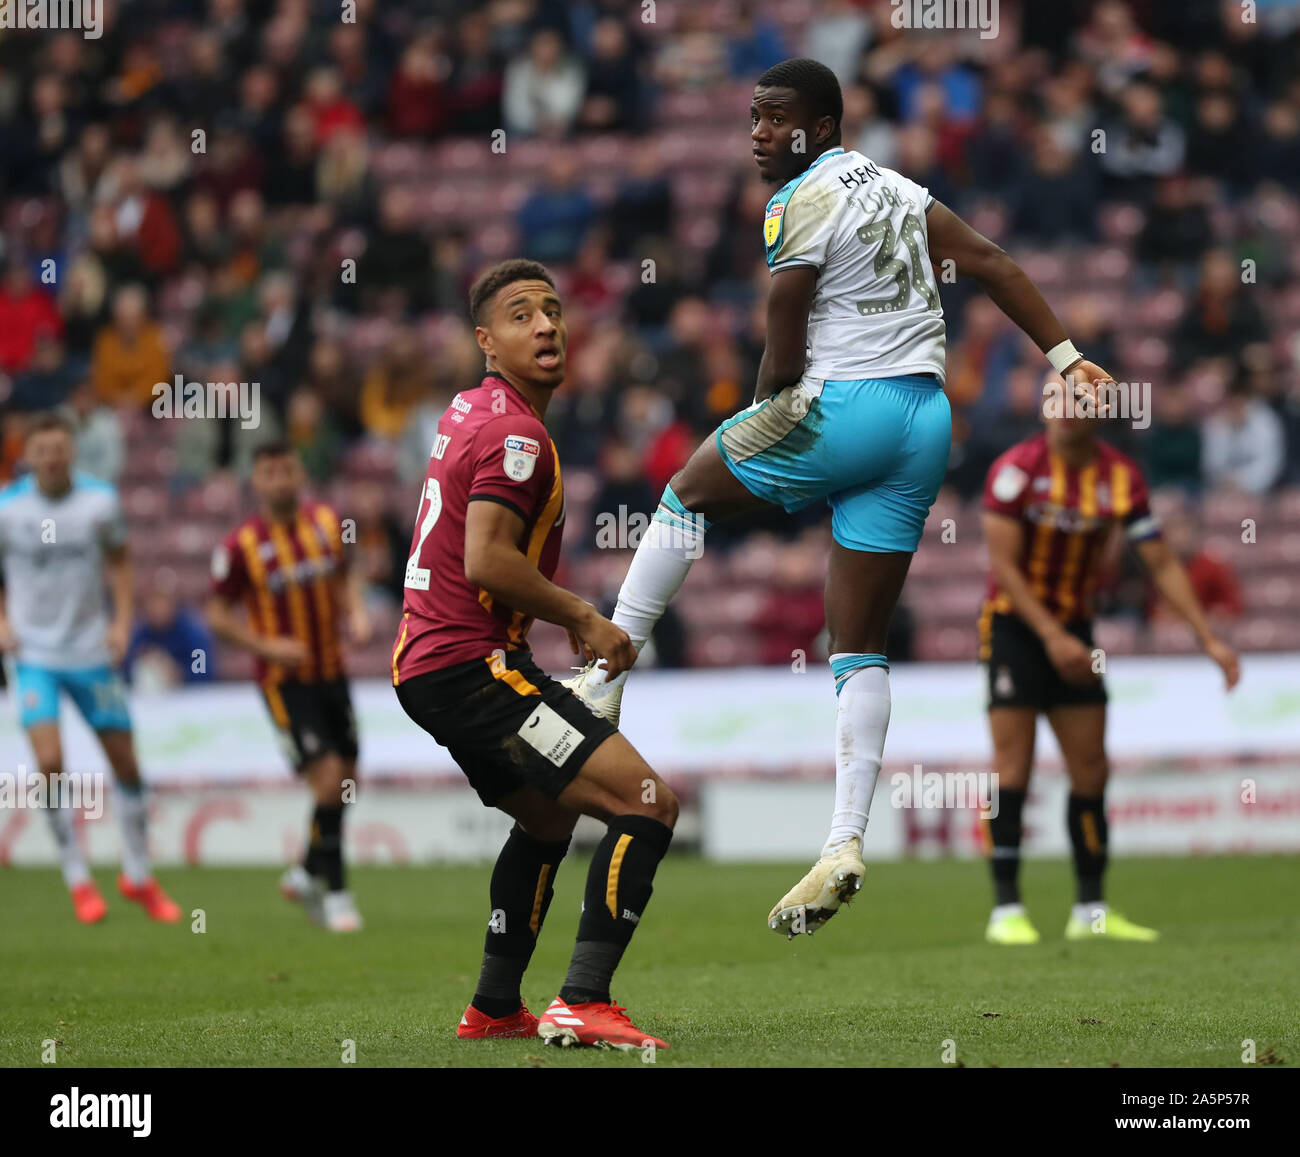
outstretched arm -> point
(974, 255)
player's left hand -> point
(1083, 377)
(1228, 662)
(119, 635)
(359, 627)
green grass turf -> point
(886, 983)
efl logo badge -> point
(521, 457)
(772, 224)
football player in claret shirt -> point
(1050, 504)
(287, 565)
(483, 552)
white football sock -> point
(132, 810)
(659, 567)
(862, 718)
(71, 860)
(1001, 910)
(1088, 912)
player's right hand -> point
(609, 642)
(285, 650)
(1071, 657)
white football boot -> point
(833, 881)
(603, 699)
(299, 887)
(339, 912)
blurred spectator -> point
(866, 130)
(476, 78)
(399, 380)
(838, 36)
(1221, 319)
(312, 432)
(129, 357)
(1177, 228)
(554, 220)
(754, 40)
(1221, 144)
(1056, 199)
(382, 545)
(49, 378)
(614, 99)
(26, 312)
(398, 258)
(643, 201)
(1144, 144)
(101, 444)
(543, 91)
(418, 104)
(1245, 446)
(1172, 449)
(170, 645)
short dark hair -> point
(813, 81)
(501, 275)
(42, 420)
(276, 448)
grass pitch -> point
(888, 982)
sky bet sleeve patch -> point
(521, 457)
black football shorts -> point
(1021, 675)
(312, 719)
(506, 723)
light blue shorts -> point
(97, 692)
(875, 449)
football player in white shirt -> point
(62, 535)
(849, 409)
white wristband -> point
(1063, 355)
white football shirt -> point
(876, 310)
(52, 555)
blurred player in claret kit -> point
(62, 537)
(484, 550)
(1051, 503)
(849, 409)
(287, 565)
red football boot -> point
(152, 898)
(594, 1022)
(475, 1025)
(88, 903)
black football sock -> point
(619, 885)
(1005, 830)
(523, 883)
(325, 848)
(1086, 819)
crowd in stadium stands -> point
(255, 191)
